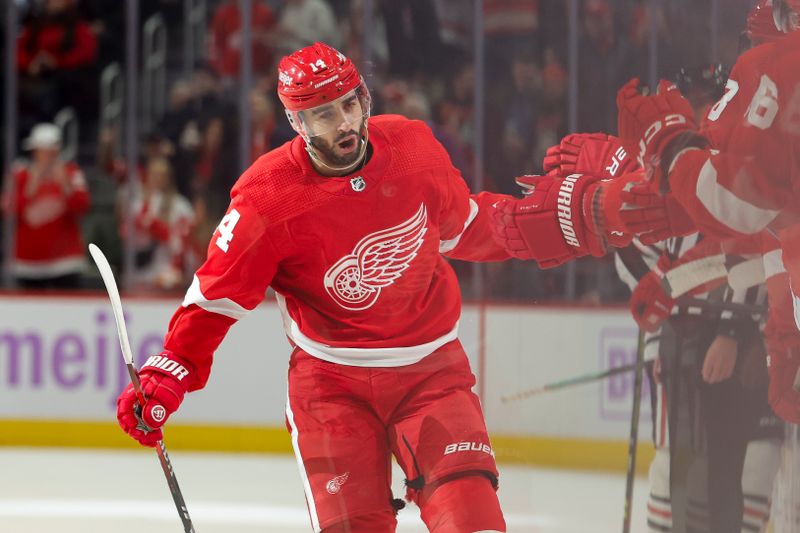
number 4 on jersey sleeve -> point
(225, 229)
(231, 282)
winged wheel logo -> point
(377, 261)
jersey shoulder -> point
(780, 60)
(274, 185)
(412, 142)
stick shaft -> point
(633, 439)
(116, 305)
(577, 380)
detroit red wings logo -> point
(335, 485)
(377, 261)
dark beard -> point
(325, 150)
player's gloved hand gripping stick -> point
(127, 354)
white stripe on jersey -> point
(746, 274)
(222, 306)
(365, 357)
(728, 208)
(773, 263)
(446, 246)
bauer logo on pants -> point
(468, 447)
(335, 485)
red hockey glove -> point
(549, 224)
(653, 216)
(164, 380)
(608, 201)
(647, 124)
(588, 153)
(783, 364)
(650, 304)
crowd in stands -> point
(419, 63)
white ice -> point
(88, 491)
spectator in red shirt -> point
(55, 51)
(51, 197)
(226, 40)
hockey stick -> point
(577, 380)
(717, 307)
(127, 354)
(634, 436)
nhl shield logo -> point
(358, 184)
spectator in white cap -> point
(50, 198)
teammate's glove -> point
(650, 304)
(549, 224)
(652, 215)
(164, 379)
(783, 364)
(648, 124)
(597, 154)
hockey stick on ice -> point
(577, 380)
(127, 354)
(633, 440)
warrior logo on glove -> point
(158, 413)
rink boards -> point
(61, 371)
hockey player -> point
(727, 487)
(348, 223)
(738, 175)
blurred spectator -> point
(215, 167)
(51, 197)
(225, 39)
(412, 33)
(521, 116)
(117, 167)
(107, 22)
(599, 74)
(551, 105)
(208, 210)
(303, 22)
(643, 18)
(262, 118)
(163, 219)
(510, 27)
(56, 53)
(456, 24)
(353, 34)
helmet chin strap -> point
(362, 153)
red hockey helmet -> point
(314, 76)
(761, 26)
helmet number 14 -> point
(317, 65)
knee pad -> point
(376, 522)
(464, 503)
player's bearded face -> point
(340, 148)
(336, 130)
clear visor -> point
(348, 112)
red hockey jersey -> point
(752, 171)
(355, 261)
(48, 212)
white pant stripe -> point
(312, 508)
